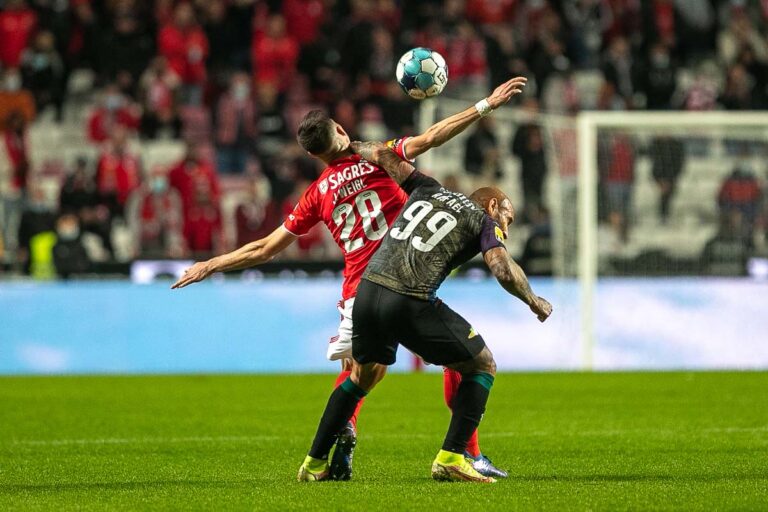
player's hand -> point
(369, 150)
(503, 93)
(194, 274)
(541, 308)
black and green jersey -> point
(436, 231)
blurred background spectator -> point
(741, 192)
(667, 160)
(528, 147)
(36, 233)
(616, 163)
(257, 215)
(155, 218)
(184, 44)
(158, 91)
(14, 169)
(235, 125)
(482, 159)
(69, 255)
(118, 171)
(42, 71)
(17, 26)
(114, 110)
(80, 195)
(536, 259)
(727, 252)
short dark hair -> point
(315, 132)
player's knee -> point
(484, 362)
(366, 376)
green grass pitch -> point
(601, 441)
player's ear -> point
(493, 206)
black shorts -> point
(382, 319)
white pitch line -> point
(247, 439)
(616, 432)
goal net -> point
(657, 227)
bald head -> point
(497, 205)
(483, 196)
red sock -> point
(341, 378)
(451, 381)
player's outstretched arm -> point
(443, 131)
(380, 154)
(512, 278)
(249, 255)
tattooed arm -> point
(378, 153)
(512, 278)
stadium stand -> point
(161, 70)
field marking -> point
(616, 432)
(364, 436)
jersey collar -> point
(349, 158)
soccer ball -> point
(422, 73)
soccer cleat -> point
(313, 470)
(341, 461)
(454, 467)
(485, 467)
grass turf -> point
(603, 441)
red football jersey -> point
(357, 201)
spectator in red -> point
(202, 220)
(303, 18)
(235, 125)
(14, 168)
(155, 218)
(467, 50)
(118, 171)
(15, 146)
(432, 35)
(660, 22)
(185, 45)
(192, 170)
(616, 160)
(17, 24)
(491, 12)
(157, 88)
(115, 110)
(741, 192)
(274, 53)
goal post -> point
(713, 128)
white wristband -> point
(483, 107)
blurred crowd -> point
(231, 78)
